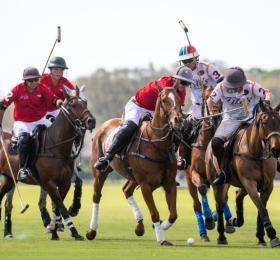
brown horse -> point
(54, 164)
(252, 170)
(152, 160)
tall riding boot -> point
(219, 152)
(24, 149)
(120, 140)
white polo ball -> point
(190, 241)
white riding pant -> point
(133, 112)
(28, 127)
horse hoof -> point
(222, 242)
(215, 215)
(55, 237)
(139, 229)
(262, 244)
(209, 223)
(73, 212)
(204, 238)
(8, 236)
(166, 243)
(275, 242)
(91, 234)
(229, 228)
(79, 238)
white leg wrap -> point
(165, 224)
(94, 216)
(69, 223)
(136, 211)
(159, 232)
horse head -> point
(268, 122)
(169, 106)
(75, 106)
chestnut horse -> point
(152, 160)
(54, 164)
(253, 169)
(197, 180)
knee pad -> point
(24, 140)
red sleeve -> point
(10, 97)
(68, 84)
(166, 81)
(50, 97)
(182, 96)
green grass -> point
(116, 239)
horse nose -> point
(90, 123)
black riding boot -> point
(120, 140)
(219, 151)
(24, 149)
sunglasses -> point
(32, 80)
(189, 61)
(185, 83)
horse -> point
(53, 167)
(150, 156)
(252, 169)
(197, 180)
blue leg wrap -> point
(200, 222)
(206, 209)
(227, 212)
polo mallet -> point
(244, 107)
(24, 206)
(58, 39)
(184, 27)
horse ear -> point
(158, 86)
(82, 88)
(277, 108)
(264, 107)
(77, 91)
(176, 84)
(67, 92)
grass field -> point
(116, 239)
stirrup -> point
(181, 163)
(23, 174)
(221, 179)
(102, 164)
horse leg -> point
(220, 201)
(271, 233)
(43, 209)
(251, 187)
(57, 196)
(197, 208)
(128, 190)
(8, 213)
(148, 197)
(260, 232)
(98, 183)
(230, 229)
(76, 204)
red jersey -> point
(146, 96)
(29, 106)
(56, 89)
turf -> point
(116, 239)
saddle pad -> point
(109, 139)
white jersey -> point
(209, 76)
(251, 91)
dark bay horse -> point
(54, 163)
(152, 160)
(197, 180)
(253, 169)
